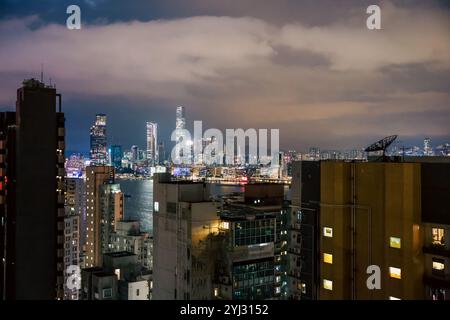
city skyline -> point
(313, 71)
(225, 155)
(426, 147)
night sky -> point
(310, 68)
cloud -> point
(236, 71)
(408, 36)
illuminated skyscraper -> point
(427, 149)
(180, 125)
(181, 118)
(152, 143)
(99, 155)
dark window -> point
(171, 207)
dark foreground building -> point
(32, 195)
(350, 217)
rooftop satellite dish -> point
(381, 145)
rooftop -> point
(245, 212)
(119, 254)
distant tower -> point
(116, 156)
(427, 149)
(152, 143)
(134, 153)
(99, 153)
(161, 152)
(181, 118)
(180, 125)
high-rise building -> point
(435, 188)
(74, 221)
(370, 215)
(180, 125)
(99, 152)
(111, 208)
(303, 234)
(116, 156)
(96, 177)
(152, 143)
(252, 241)
(134, 154)
(354, 219)
(236, 254)
(427, 149)
(161, 152)
(182, 220)
(32, 195)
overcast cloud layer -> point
(334, 84)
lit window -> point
(277, 290)
(225, 225)
(394, 298)
(328, 232)
(328, 284)
(216, 292)
(156, 206)
(395, 273)
(438, 264)
(328, 258)
(117, 272)
(395, 242)
(438, 236)
(303, 287)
